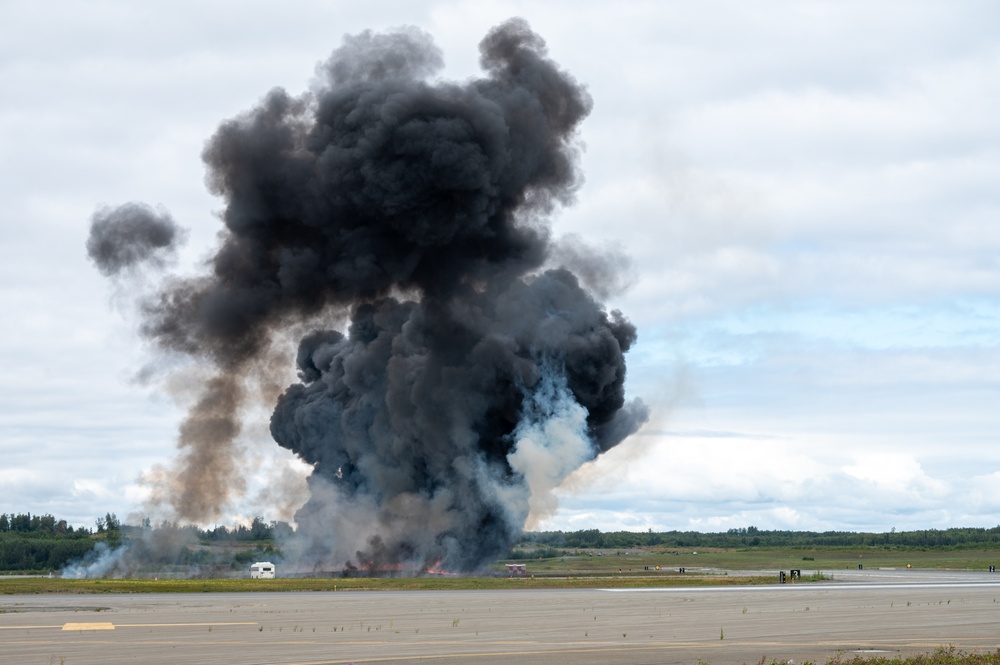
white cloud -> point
(808, 191)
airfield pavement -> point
(898, 613)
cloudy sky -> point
(809, 193)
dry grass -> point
(939, 657)
(830, 559)
(33, 585)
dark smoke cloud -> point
(379, 181)
(130, 236)
(470, 380)
(448, 417)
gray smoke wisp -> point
(154, 550)
(474, 374)
(132, 236)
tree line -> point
(35, 543)
(42, 524)
(257, 530)
(26, 524)
(41, 543)
(46, 525)
(753, 537)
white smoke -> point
(102, 561)
(551, 442)
(160, 550)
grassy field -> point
(939, 657)
(583, 569)
(32, 585)
(609, 562)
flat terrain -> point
(833, 559)
(899, 612)
(38, 584)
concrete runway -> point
(716, 625)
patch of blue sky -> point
(946, 324)
(755, 332)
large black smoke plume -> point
(473, 376)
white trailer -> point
(262, 570)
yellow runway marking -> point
(99, 625)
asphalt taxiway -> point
(895, 614)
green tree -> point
(259, 529)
